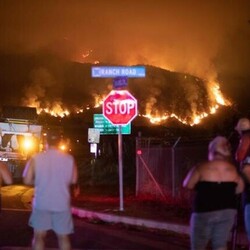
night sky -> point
(207, 39)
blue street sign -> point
(113, 71)
(120, 82)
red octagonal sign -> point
(119, 107)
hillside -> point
(46, 81)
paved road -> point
(16, 197)
(14, 230)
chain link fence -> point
(161, 165)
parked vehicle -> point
(20, 137)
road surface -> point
(14, 230)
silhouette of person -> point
(51, 172)
(242, 155)
(5, 177)
(216, 183)
(5, 174)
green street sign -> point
(107, 128)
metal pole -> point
(138, 147)
(120, 167)
(173, 167)
(96, 150)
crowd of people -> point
(218, 182)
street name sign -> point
(107, 128)
(120, 82)
(116, 71)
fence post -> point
(173, 167)
(138, 147)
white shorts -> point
(59, 222)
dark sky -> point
(180, 35)
(204, 38)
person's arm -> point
(191, 179)
(74, 174)
(75, 188)
(5, 174)
(240, 185)
(29, 172)
(246, 173)
(242, 149)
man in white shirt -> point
(51, 172)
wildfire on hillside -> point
(163, 94)
(216, 100)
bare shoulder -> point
(223, 164)
(230, 172)
(230, 166)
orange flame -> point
(216, 100)
(98, 100)
(53, 112)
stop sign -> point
(119, 107)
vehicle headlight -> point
(28, 143)
(62, 147)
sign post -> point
(120, 108)
(120, 162)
